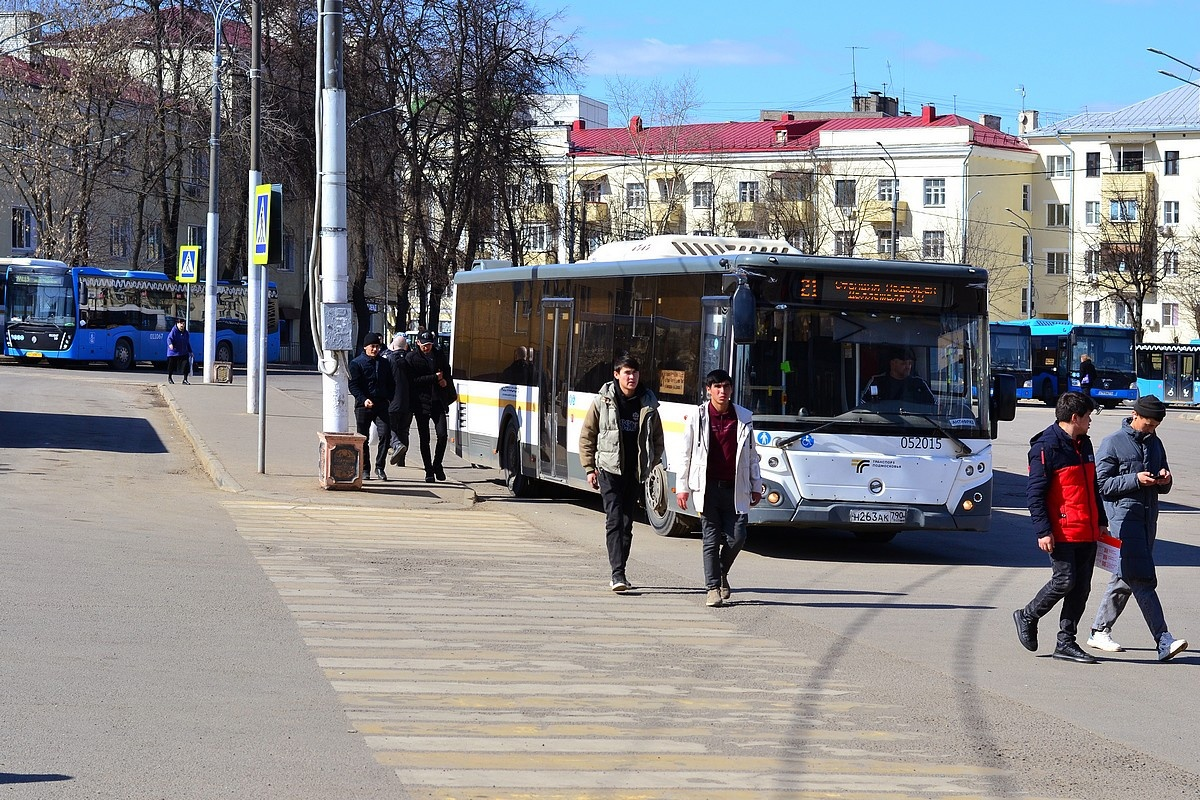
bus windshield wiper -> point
(783, 444)
(964, 448)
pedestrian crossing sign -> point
(189, 264)
(268, 223)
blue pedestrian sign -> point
(189, 264)
(262, 222)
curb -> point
(208, 459)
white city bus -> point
(802, 335)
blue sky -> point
(971, 58)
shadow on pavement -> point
(78, 432)
(8, 778)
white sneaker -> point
(1169, 647)
(1102, 640)
(619, 585)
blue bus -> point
(1043, 355)
(1168, 371)
(64, 314)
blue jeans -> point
(1071, 565)
(723, 533)
(1116, 595)
(619, 495)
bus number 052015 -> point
(920, 443)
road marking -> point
(480, 658)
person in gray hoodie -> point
(1132, 471)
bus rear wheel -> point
(664, 519)
(122, 355)
(518, 483)
(224, 352)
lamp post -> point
(1027, 257)
(967, 222)
(218, 8)
(891, 162)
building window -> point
(1122, 210)
(1091, 262)
(798, 240)
(702, 232)
(196, 179)
(1026, 249)
(543, 193)
(668, 189)
(1091, 311)
(1091, 212)
(887, 189)
(1130, 160)
(1058, 215)
(1056, 263)
(843, 243)
(1058, 166)
(935, 191)
(370, 261)
(791, 185)
(702, 194)
(1092, 165)
(1170, 262)
(1025, 302)
(1170, 314)
(289, 254)
(884, 242)
(1026, 197)
(844, 194)
(1171, 162)
(635, 195)
(1120, 312)
(155, 248)
(24, 236)
(537, 237)
(120, 235)
(590, 191)
(1170, 212)
(747, 191)
(195, 235)
(933, 245)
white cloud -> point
(653, 56)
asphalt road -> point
(164, 639)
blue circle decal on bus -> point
(762, 437)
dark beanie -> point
(1151, 407)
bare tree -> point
(1122, 264)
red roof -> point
(741, 137)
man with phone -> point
(1132, 471)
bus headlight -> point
(970, 470)
(774, 498)
(968, 505)
(773, 462)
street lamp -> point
(218, 8)
(1028, 257)
(891, 162)
(967, 222)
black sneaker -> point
(397, 455)
(381, 475)
(439, 473)
(1026, 630)
(1073, 652)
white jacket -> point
(693, 473)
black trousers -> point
(1071, 565)
(433, 461)
(177, 363)
(619, 495)
(722, 532)
(363, 417)
(400, 421)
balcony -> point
(754, 214)
(594, 213)
(541, 212)
(879, 212)
(666, 215)
(791, 214)
(1137, 185)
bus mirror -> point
(83, 294)
(1004, 396)
(742, 315)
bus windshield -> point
(46, 299)
(1110, 350)
(810, 362)
(1010, 349)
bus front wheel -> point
(664, 519)
(122, 355)
(518, 483)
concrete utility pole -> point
(1027, 257)
(337, 329)
(219, 9)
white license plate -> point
(881, 516)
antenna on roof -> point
(1021, 88)
(853, 69)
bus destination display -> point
(851, 291)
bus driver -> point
(898, 384)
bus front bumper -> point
(842, 515)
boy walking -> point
(721, 476)
(1068, 517)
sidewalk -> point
(225, 437)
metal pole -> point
(891, 162)
(214, 216)
(254, 313)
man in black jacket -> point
(399, 409)
(429, 379)
(373, 389)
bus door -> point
(1171, 388)
(553, 365)
(1067, 367)
(1187, 373)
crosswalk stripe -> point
(480, 658)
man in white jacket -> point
(721, 477)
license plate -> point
(879, 516)
(33, 354)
